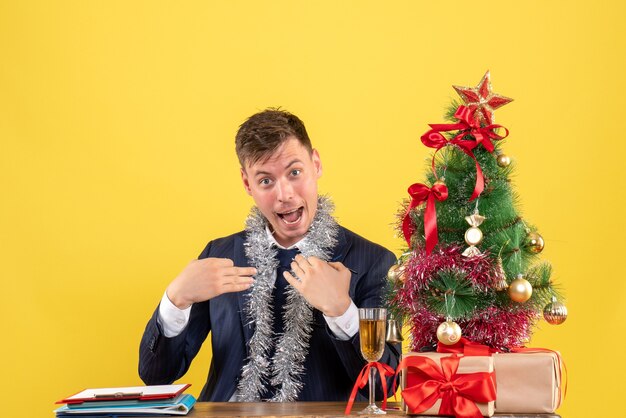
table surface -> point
(303, 409)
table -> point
(304, 409)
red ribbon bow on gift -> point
(421, 193)
(383, 370)
(459, 393)
(468, 125)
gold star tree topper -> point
(481, 100)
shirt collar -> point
(273, 240)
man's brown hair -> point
(264, 132)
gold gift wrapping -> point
(527, 382)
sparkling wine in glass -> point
(372, 333)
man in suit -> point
(280, 299)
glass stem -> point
(372, 380)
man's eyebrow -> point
(266, 173)
(292, 163)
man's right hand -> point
(207, 278)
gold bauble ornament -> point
(441, 182)
(520, 289)
(449, 332)
(535, 242)
(555, 313)
(396, 273)
(503, 160)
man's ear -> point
(246, 182)
(317, 162)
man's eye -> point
(296, 172)
(265, 181)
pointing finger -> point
(237, 280)
(240, 271)
(292, 280)
(302, 260)
(314, 261)
(300, 273)
(232, 287)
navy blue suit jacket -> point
(332, 365)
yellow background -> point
(117, 161)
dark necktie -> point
(285, 257)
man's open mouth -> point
(291, 217)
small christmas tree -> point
(471, 267)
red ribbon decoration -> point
(421, 193)
(383, 371)
(468, 125)
(459, 393)
(466, 347)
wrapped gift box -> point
(467, 364)
(527, 382)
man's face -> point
(284, 188)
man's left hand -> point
(324, 285)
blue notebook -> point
(181, 405)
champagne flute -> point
(372, 332)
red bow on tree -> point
(459, 393)
(468, 125)
(421, 193)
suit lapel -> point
(342, 247)
(339, 254)
(240, 260)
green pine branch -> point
(452, 295)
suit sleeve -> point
(162, 360)
(369, 293)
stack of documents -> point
(128, 401)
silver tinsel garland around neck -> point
(285, 369)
